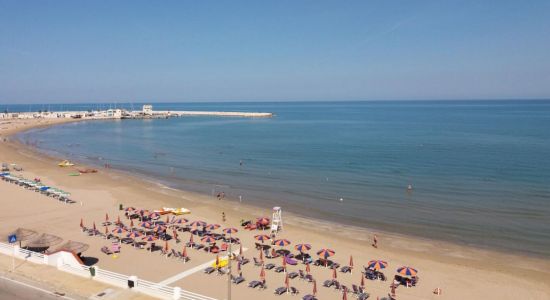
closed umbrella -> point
(351, 263)
(308, 268)
(334, 274)
(81, 223)
(314, 287)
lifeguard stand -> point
(277, 220)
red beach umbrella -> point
(241, 250)
(131, 223)
(184, 252)
(261, 237)
(345, 296)
(166, 248)
(314, 287)
(106, 217)
(287, 282)
(325, 253)
(94, 226)
(282, 242)
(81, 223)
(263, 221)
(362, 281)
(308, 268)
(334, 274)
(262, 273)
(351, 262)
(197, 223)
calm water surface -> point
(480, 170)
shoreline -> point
(393, 244)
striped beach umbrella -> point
(179, 221)
(407, 271)
(282, 242)
(261, 237)
(145, 224)
(150, 238)
(230, 230)
(208, 239)
(129, 208)
(119, 230)
(133, 235)
(325, 253)
(158, 228)
(212, 226)
(197, 224)
(302, 247)
(377, 264)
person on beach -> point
(375, 241)
(223, 216)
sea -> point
(469, 172)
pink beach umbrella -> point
(314, 287)
(282, 242)
(208, 239)
(197, 224)
(230, 231)
(212, 226)
(145, 224)
(261, 237)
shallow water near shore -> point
(480, 170)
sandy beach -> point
(460, 272)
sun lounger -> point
(328, 283)
(257, 262)
(309, 278)
(244, 261)
(254, 284)
(237, 280)
(334, 265)
(337, 285)
(294, 291)
(309, 297)
(292, 275)
(363, 296)
(279, 269)
(280, 290)
(269, 266)
(291, 261)
(106, 250)
(345, 269)
(209, 270)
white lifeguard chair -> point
(277, 220)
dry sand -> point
(461, 272)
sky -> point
(164, 51)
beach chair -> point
(209, 270)
(337, 285)
(257, 262)
(106, 250)
(269, 266)
(294, 291)
(345, 269)
(292, 275)
(237, 279)
(302, 275)
(328, 283)
(244, 261)
(334, 265)
(309, 297)
(279, 269)
(309, 278)
(363, 296)
(280, 290)
(254, 284)
(355, 289)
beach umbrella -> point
(325, 253)
(94, 227)
(377, 264)
(153, 215)
(197, 223)
(212, 226)
(119, 230)
(314, 287)
(263, 221)
(150, 238)
(191, 240)
(158, 228)
(167, 219)
(184, 252)
(230, 231)
(166, 248)
(287, 282)
(262, 273)
(261, 255)
(345, 296)
(284, 263)
(308, 269)
(175, 233)
(106, 217)
(334, 276)
(351, 262)
(128, 209)
(208, 239)
(282, 242)
(133, 235)
(81, 223)
(362, 280)
(407, 271)
(118, 220)
(132, 223)
(145, 224)
(240, 249)
(302, 247)
(261, 237)
(179, 221)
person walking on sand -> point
(223, 216)
(375, 241)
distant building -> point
(147, 109)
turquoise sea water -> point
(480, 170)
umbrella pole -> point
(229, 270)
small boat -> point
(65, 163)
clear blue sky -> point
(88, 51)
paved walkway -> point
(193, 270)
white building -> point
(147, 109)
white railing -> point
(120, 280)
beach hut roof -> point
(44, 240)
(72, 246)
(24, 234)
